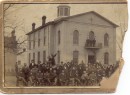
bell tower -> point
(63, 11)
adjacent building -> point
(22, 57)
(83, 37)
(10, 50)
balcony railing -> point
(93, 46)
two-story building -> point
(83, 37)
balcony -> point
(93, 45)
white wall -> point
(23, 57)
(84, 30)
(66, 47)
(42, 47)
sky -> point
(23, 15)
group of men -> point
(91, 42)
(63, 74)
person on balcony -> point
(88, 42)
(94, 42)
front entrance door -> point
(91, 59)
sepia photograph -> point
(67, 45)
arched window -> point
(91, 35)
(106, 40)
(106, 58)
(75, 37)
(75, 56)
(58, 37)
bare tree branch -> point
(10, 24)
(6, 8)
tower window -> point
(61, 12)
(58, 12)
(66, 12)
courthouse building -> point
(83, 37)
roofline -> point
(94, 13)
(64, 18)
(40, 27)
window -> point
(58, 37)
(34, 40)
(29, 57)
(44, 56)
(61, 12)
(39, 39)
(75, 56)
(91, 35)
(66, 12)
(58, 57)
(34, 57)
(29, 42)
(76, 37)
(58, 12)
(39, 42)
(44, 42)
(106, 58)
(106, 40)
(38, 56)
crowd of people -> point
(63, 74)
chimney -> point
(24, 49)
(33, 26)
(43, 20)
(13, 33)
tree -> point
(11, 25)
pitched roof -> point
(65, 18)
(115, 25)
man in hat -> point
(62, 78)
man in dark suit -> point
(53, 59)
(32, 64)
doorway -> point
(91, 59)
